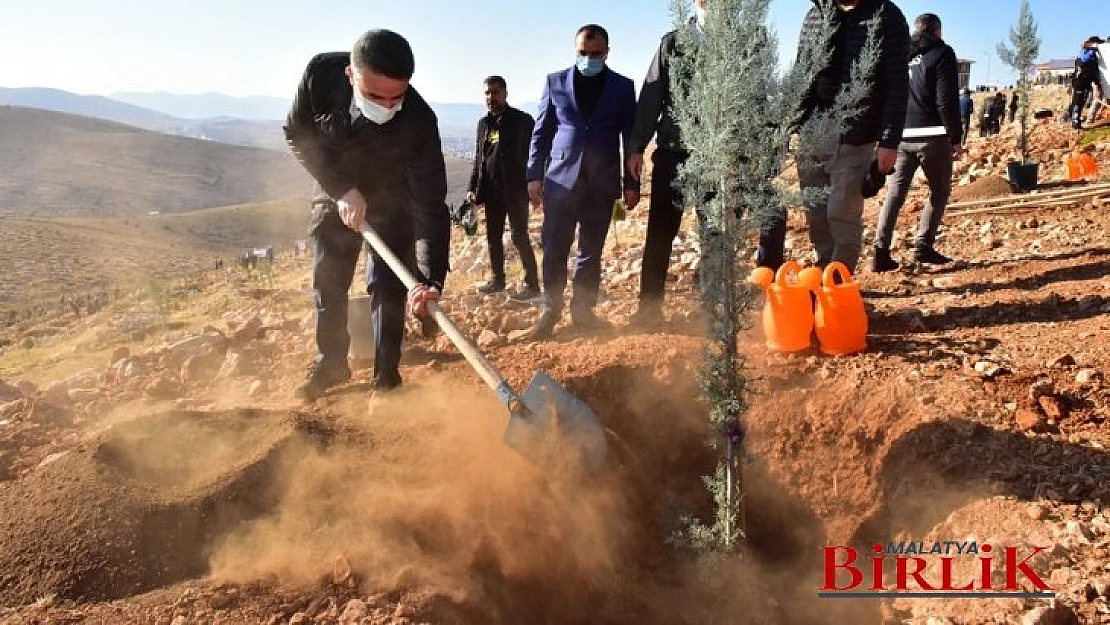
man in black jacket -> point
(372, 144)
(498, 182)
(932, 139)
(654, 118)
(832, 178)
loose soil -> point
(225, 504)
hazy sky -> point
(257, 47)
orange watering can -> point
(840, 319)
(788, 311)
(1080, 165)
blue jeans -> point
(335, 256)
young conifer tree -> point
(737, 113)
(1024, 47)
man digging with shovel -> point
(372, 144)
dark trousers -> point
(1080, 94)
(497, 209)
(665, 216)
(335, 256)
(588, 212)
(934, 156)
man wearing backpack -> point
(1085, 80)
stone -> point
(1040, 388)
(1053, 407)
(354, 610)
(489, 338)
(1028, 420)
(1088, 376)
(1057, 615)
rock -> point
(1037, 511)
(180, 619)
(162, 387)
(1088, 376)
(82, 394)
(298, 618)
(9, 392)
(231, 366)
(11, 408)
(489, 338)
(254, 389)
(355, 610)
(990, 369)
(27, 387)
(120, 353)
(249, 331)
(1057, 615)
(1028, 420)
(519, 335)
(1040, 388)
(1053, 407)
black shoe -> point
(882, 262)
(320, 379)
(647, 316)
(494, 285)
(929, 256)
(588, 321)
(527, 293)
(545, 326)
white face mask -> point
(376, 112)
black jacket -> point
(934, 101)
(398, 166)
(512, 156)
(884, 108)
(653, 110)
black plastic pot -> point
(1023, 175)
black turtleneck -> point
(587, 91)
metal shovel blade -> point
(554, 426)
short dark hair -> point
(496, 80)
(926, 24)
(593, 30)
(384, 52)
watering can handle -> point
(790, 266)
(833, 268)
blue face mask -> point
(589, 66)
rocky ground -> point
(156, 467)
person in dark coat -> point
(967, 110)
(832, 181)
(1085, 80)
(372, 144)
(931, 140)
(497, 182)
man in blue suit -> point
(575, 172)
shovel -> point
(547, 424)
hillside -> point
(82, 257)
(59, 164)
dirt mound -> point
(984, 188)
(136, 508)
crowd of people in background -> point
(371, 142)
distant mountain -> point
(258, 133)
(88, 105)
(61, 164)
(55, 163)
(207, 105)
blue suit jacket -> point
(565, 145)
